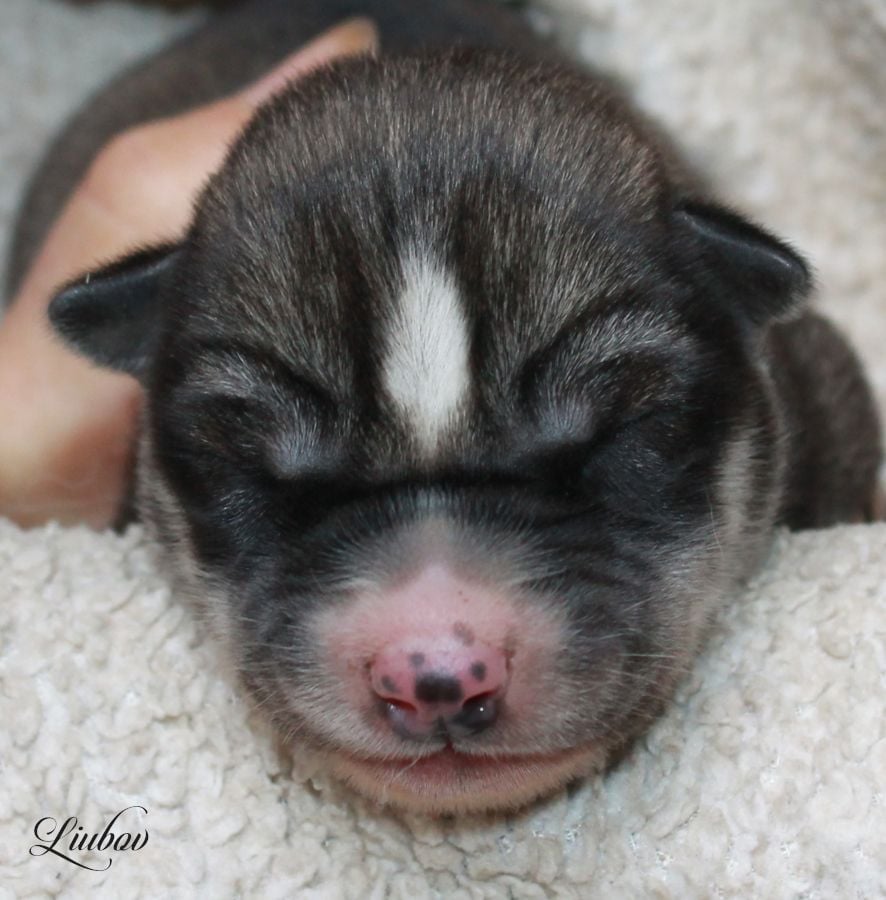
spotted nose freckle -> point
(463, 634)
(434, 688)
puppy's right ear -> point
(113, 316)
(744, 264)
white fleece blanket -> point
(766, 778)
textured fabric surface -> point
(767, 776)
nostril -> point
(477, 713)
(479, 700)
(400, 705)
(405, 720)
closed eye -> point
(597, 342)
(282, 437)
(238, 370)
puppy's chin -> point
(448, 782)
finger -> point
(352, 38)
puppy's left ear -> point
(742, 263)
(113, 316)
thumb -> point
(351, 38)
(224, 118)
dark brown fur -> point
(647, 397)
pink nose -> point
(449, 687)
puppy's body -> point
(466, 407)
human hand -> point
(66, 442)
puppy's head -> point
(455, 420)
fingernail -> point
(351, 38)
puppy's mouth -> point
(450, 781)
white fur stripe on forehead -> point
(425, 370)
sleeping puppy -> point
(466, 405)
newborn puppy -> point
(466, 408)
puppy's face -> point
(455, 423)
